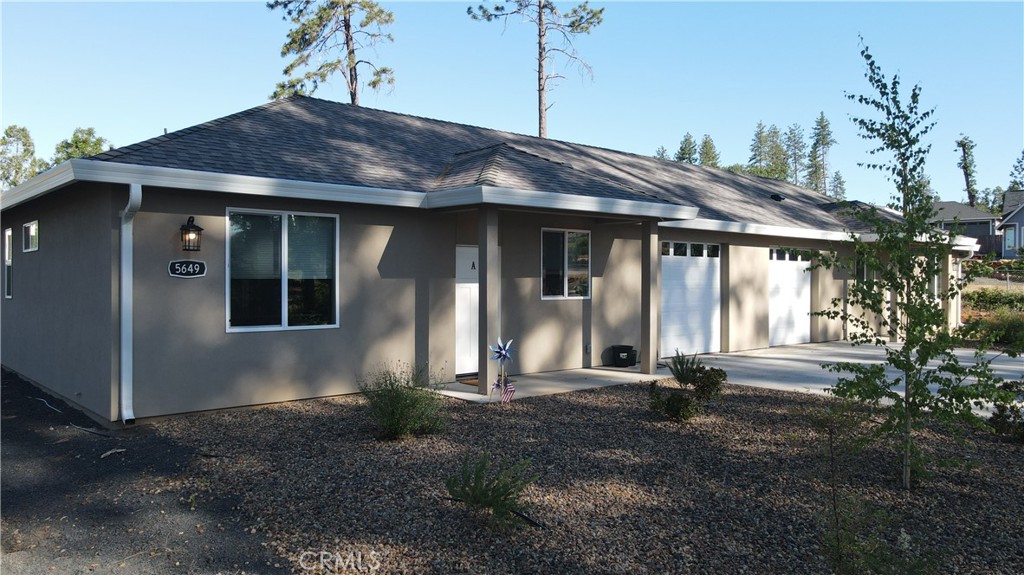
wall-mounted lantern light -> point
(191, 236)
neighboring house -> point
(1013, 224)
(336, 238)
(970, 222)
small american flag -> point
(507, 392)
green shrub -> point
(988, 299)
(674, 405)
(480, 487)
(708, 384)
(684, 369)
(401, 401)
(1008, 416)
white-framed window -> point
(30, 236)
(281, 270)
(787, 254)
(8, 263)
(565, 264)
(1010, 238)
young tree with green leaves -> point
(334, 32)
(83, 143)
(796, 152)
(550, 23)
(708, 153)
(661, 153)
(687, 152)
(18, 160)
(966, 164)
(902, 286)
(817, 159)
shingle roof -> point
(1012, 200)
(309, 139)
(948, 211)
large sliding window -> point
(565, 264)
(282, 270)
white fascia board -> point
(91, 170)
(761, 230)
(1006, 219)
(499, 196)
(115, 173)
(52, 179)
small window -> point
(696, 250)
(1010, 237)
(30, 237)
(666, 249)
(8, 263)
(565, 264)
(680, 248)
(714, 250)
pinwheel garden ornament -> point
(503, 353)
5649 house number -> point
(187, 269)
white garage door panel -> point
(691, 304)
(789, 303)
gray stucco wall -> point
(60, 328)
(396, 292)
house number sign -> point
(187, 269)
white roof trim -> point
(550, 200)
(759, 229)
(1006, 219)
(117, 173)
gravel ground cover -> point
(738, 490)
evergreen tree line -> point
(788, 156)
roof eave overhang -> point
(81, 170)
(762, 230)
(512, 197)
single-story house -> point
(1012, 224)
(969, 221)
(282, 252)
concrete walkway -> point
(787, 368)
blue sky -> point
(132, 69)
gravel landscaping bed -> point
(738, 490)
(305, 487)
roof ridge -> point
(164, 138)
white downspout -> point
(127, 296)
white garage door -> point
(691, 302)
(789, 298)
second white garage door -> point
(691, 301)
(789, 298)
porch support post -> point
(490, 296)
(650, 296)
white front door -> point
(467, 309)
(789, 298)
(691, 298)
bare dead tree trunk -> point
(542, 103)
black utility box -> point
(623, 355)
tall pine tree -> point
(796, 152)
(966, 164)
(687, 151)
(708, 153)
(817, 159)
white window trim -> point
(8, 263)
(25, 247)
(1016, 238)
(284, 271)
(565, 265)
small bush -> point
(401, 402)
(1008, 416)
(684, 369)
(674, 405)
(480, 487)
(989, 299)
(708, 384)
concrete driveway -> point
(798, 367)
